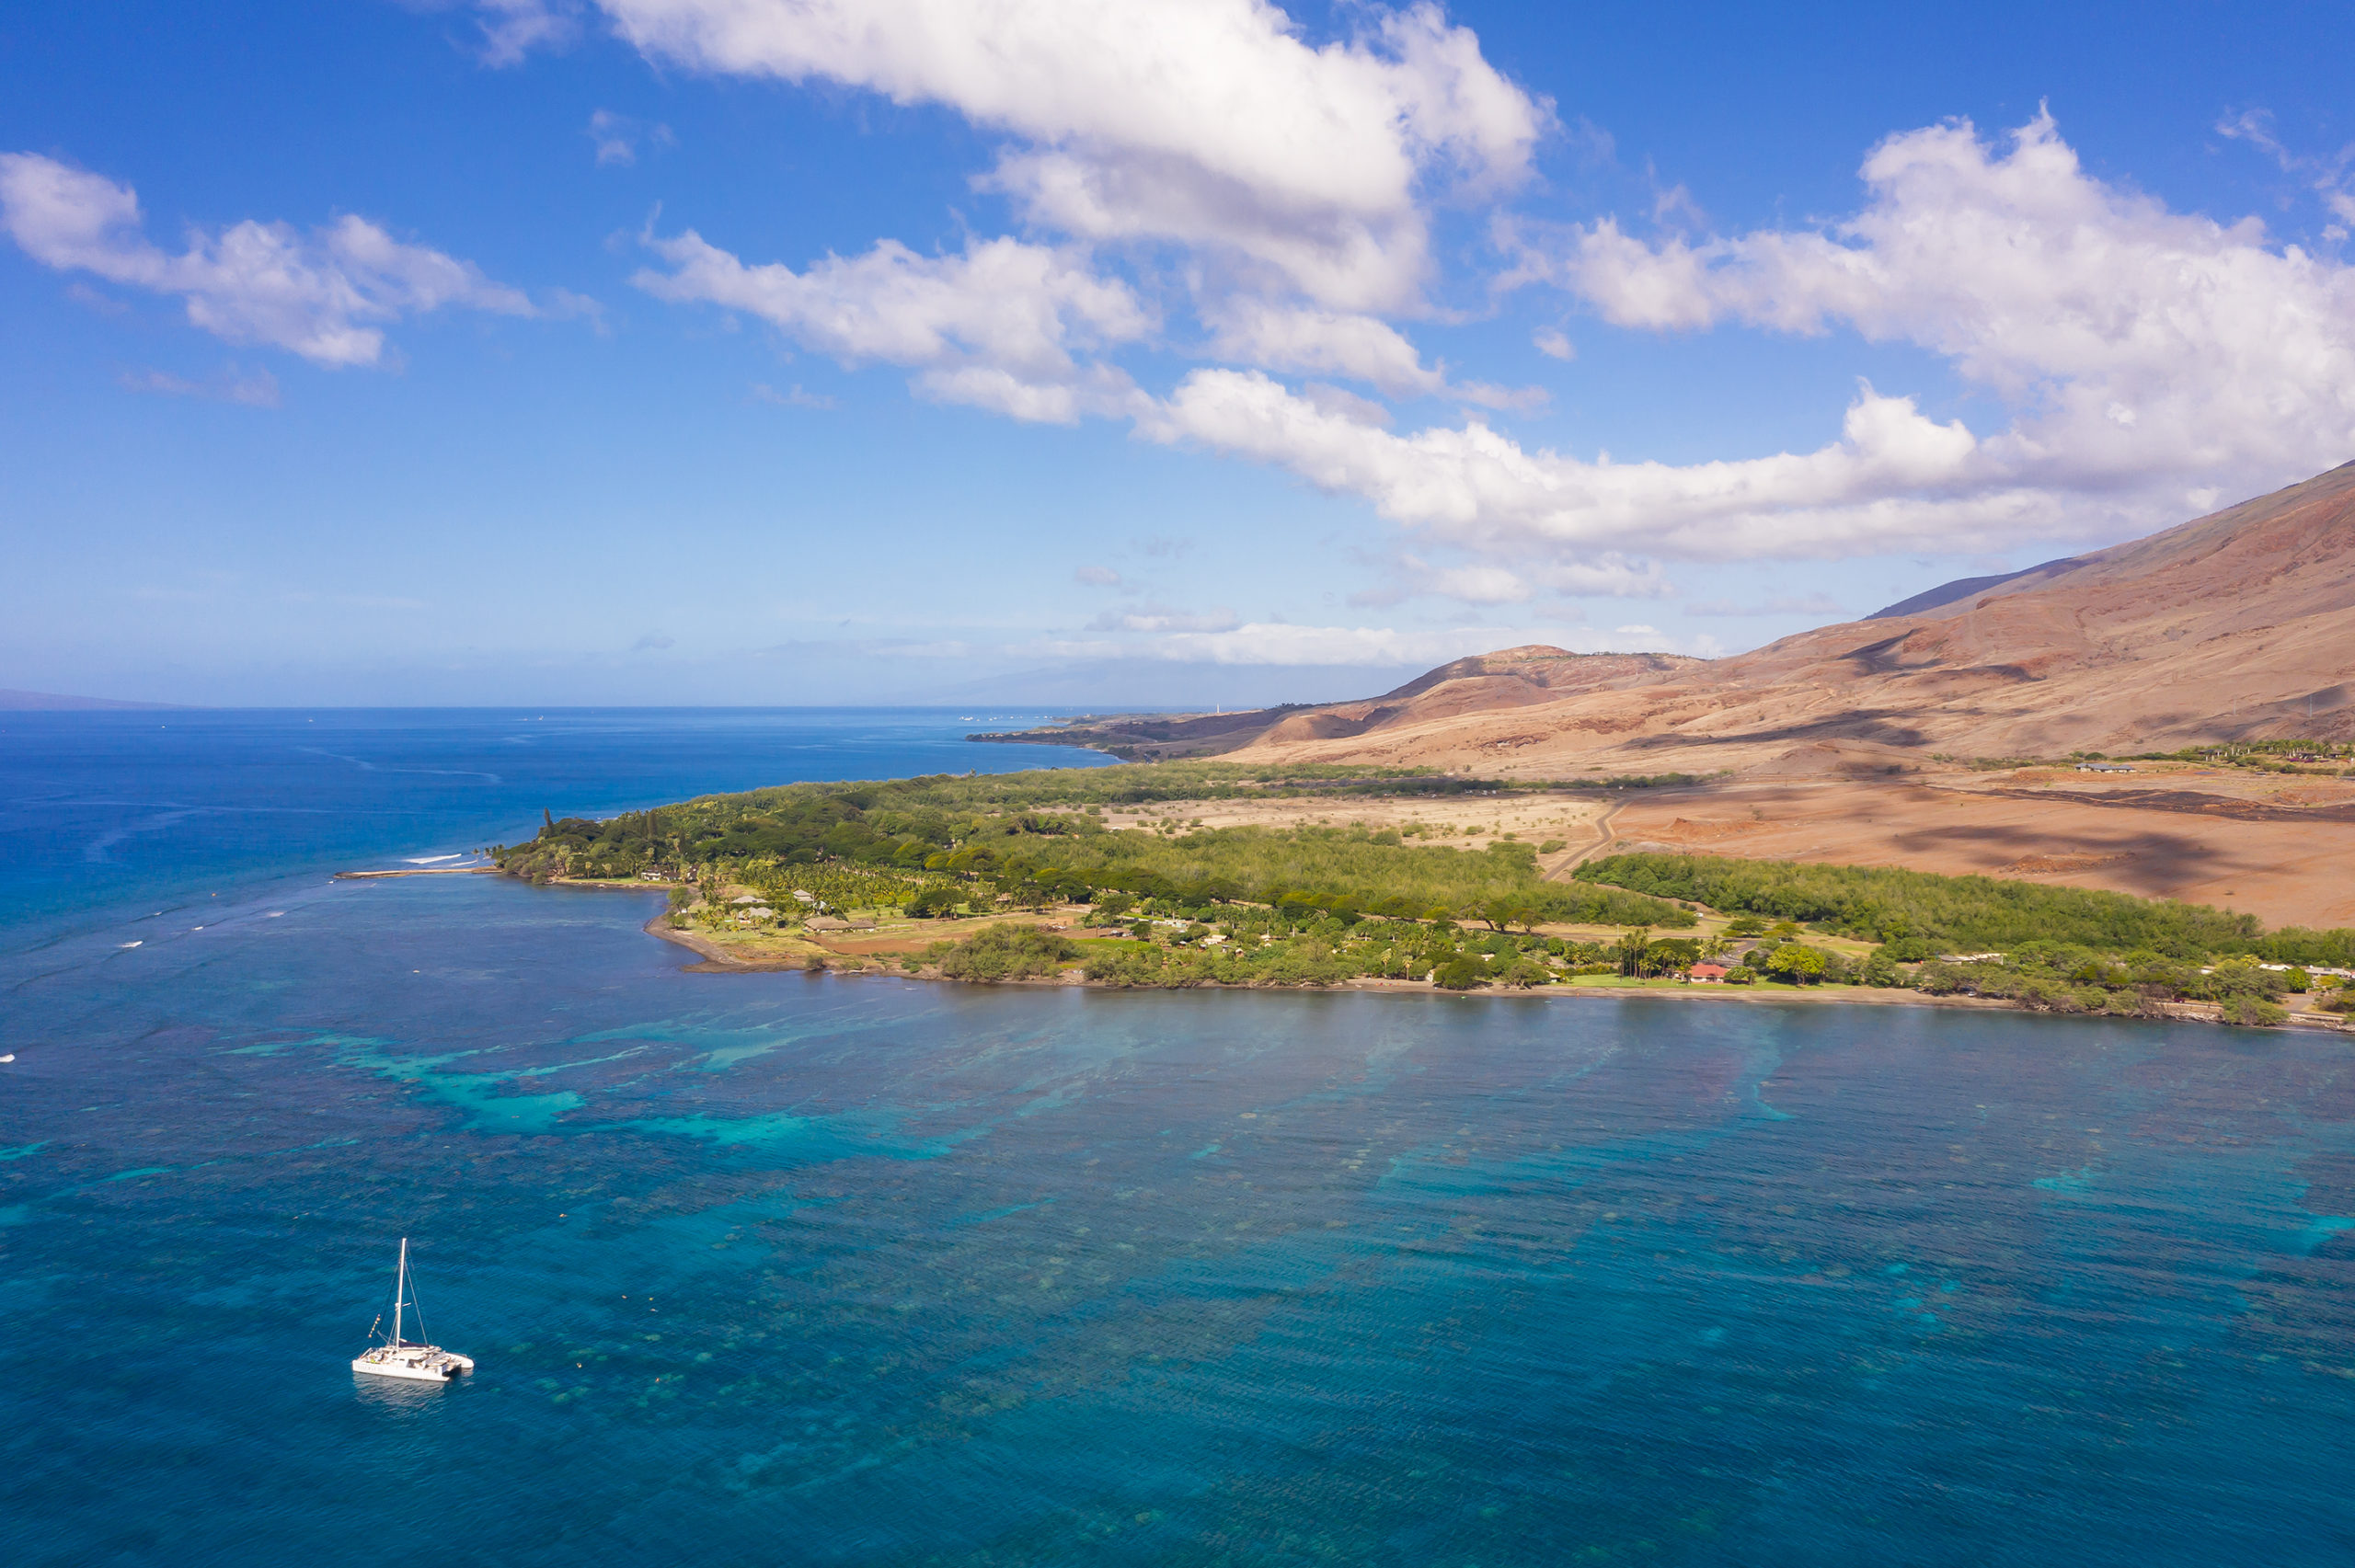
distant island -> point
(13, 701)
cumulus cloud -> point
(2149, 355)
(1361, 348)
(1162, 618)
(1212, 124)
(326, 295)
(1295, 180)
(996, 325)
(1481, 490)
(2145, 349)
(1322, 342)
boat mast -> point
(401, 1288)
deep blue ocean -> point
(783, 1269)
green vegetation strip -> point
(1319, 905)
(1963, 913)
(935, 846)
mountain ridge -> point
(2232, 626)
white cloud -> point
(1162, 618)
(1481, 585)
(1475, 488)
(1555, 345)
(1321, 342)
(326, 295)
(1609, 574)
(996, 325)
(514, 28)
(2144, 347)
(1268, 641)
(2149, 353)
(1324, 342)
(1097, 577)
(1212, 124)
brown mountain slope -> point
(1845, 744)
(1849, 744)
(1513, 678)
(2236, 626)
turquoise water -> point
(774, 1268)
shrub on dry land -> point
(1008, 953)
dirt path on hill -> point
(1603, 833)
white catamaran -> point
(398, 1357)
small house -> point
(1706, 973)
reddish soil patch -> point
(2285, 866)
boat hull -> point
(419, 1364)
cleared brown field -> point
(2286, 865)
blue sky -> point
(1080, 353)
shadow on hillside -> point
(1874, 725)
(2152, 864)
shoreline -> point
(713, 958)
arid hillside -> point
(2238, 625)
(1869, 743)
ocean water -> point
(785, 1269)
(100, 811)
